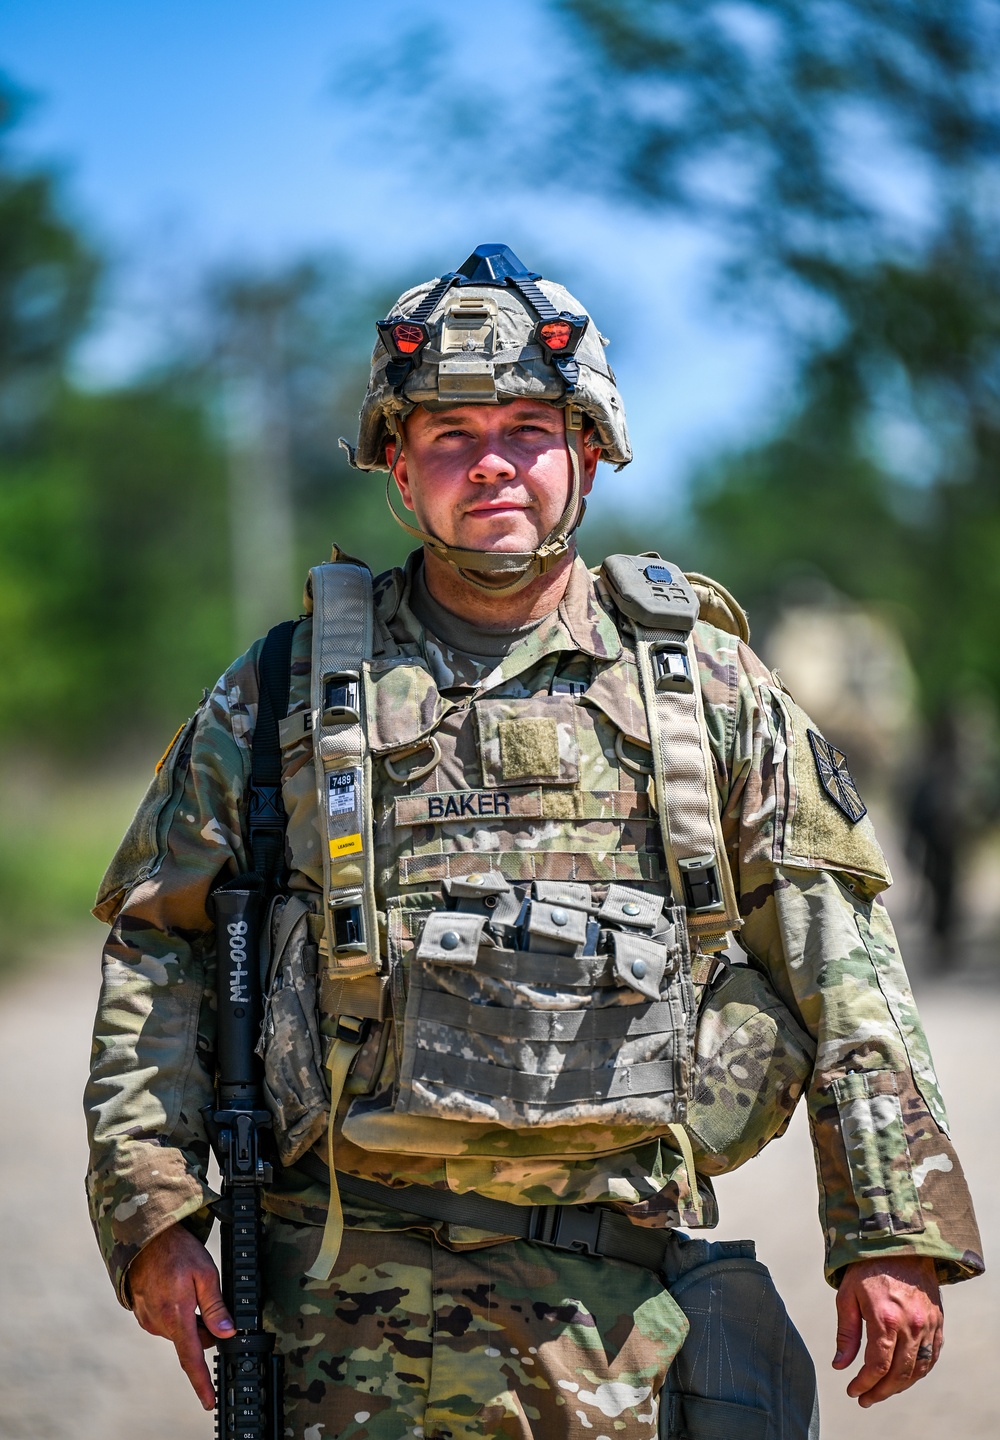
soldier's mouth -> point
(488, 508)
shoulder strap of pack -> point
(266, 819)
(343, 628)
(663, 608)
(343, 637)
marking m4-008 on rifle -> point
(248, 1373)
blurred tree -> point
(114, 607)
(116, 601)
(110, 605)
(856, 145)
(841, 160)
(292, 347)
(47, 277)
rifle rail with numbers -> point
(248, 1372)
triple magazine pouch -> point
(629, 949)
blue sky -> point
(193, 132)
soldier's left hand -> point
(900, 1304)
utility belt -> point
(584, 1229)
(767, 1388)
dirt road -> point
(73, 1366)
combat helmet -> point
(488, 332)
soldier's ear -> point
(401, 475)
(589, 454)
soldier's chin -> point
(498, 535)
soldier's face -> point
(488, 477)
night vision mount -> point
(557, 333)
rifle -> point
(248, 1372)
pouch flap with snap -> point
(625, 906)
(476, 885)
(451, 937)
(640, 964)
(557, 923)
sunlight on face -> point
(488, 477)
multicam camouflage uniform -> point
(428, 1329)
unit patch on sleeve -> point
(836, 779)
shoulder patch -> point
(826, 825)
(835, 778)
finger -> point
(900, 1374)
(879, 1353)
(214, 1315)
(928, 1351)
(848, 1330)
(925, 1357)
(192, 1362)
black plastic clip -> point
(341, 696)
(702, 891)
(349, 928)
(671, 667)
(353, 1028)
(567, 1227)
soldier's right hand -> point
(176, 1294)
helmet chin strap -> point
(498, 572)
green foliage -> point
(113, 577)
(842, 162)
(47, 277)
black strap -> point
(266, 819)
(433, 298)
(585, 1229)
(543, 307)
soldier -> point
(527, 804)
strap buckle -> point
(671, 669)
(355, 1029)
(702, 890)
(567, 1227)
(265, 809)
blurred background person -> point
(950, 803)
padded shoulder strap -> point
(663, 608)
(343, 612)
(343, 624)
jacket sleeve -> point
(152, 1056)
(809, 876)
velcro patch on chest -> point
(529, 748)
(531, 739)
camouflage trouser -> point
(409, 1338)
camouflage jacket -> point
(808, 882)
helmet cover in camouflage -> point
(477, 338)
